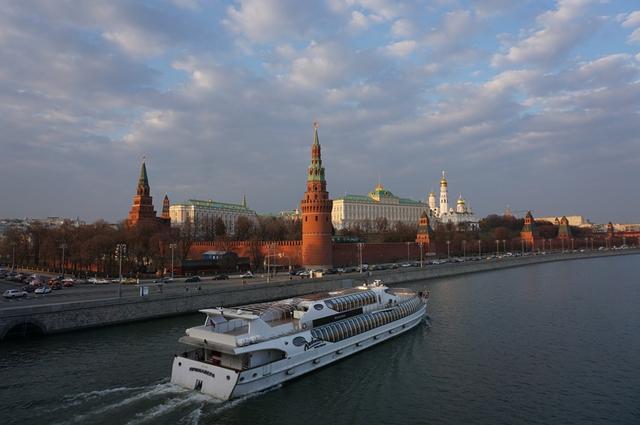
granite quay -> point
(175, 299)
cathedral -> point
(462, 214)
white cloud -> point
(403, 28)
(632, 20)
(558, 32)
(401, 48)
(359, 21)
(268, 20)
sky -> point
(531, 103)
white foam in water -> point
(76, 399)
(167, 407)
(152, 392)
(193, 418)
(233, 403)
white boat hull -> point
(225, 384)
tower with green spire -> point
(317, 250)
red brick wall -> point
(344, 254)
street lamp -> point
(464, 249)
(497, 246)
(173, 246)
(562, 242)
(479, 248)
(360, 255)
(121, 251)
(408, 251)
(572, 244)
(448, 249)
(63, 247)
(522, 246)
(420, 254)
(504, 246)
(13, 256)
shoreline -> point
(77, 315)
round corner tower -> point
(316, 214)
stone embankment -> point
(68, 316)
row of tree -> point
(150, 248)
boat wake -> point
(159, 403)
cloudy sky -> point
(530, 103)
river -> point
(555, 343)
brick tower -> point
(564, 231)
(316, 214)
(142, 211)
(424, 231)
(528, 233)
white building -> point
(574, 220)
(354, 209)
(197, 212)
(462, 214)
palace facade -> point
(350, 210)
(198, 212)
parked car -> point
(130, 281)
(193, 279)
(14, 293)
(220, 276)
(68, 282)
(42, 290)
(29, 288)
(247, 275)
(163, 280)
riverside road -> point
(90, 292)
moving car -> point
(247, 275)
(42, 290)
(14, 293)
(220, 276)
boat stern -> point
(216, 381)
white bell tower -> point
(444, 196)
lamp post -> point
(408, 251)
(479, 248)
(13, 256)
(522, 246)
(420, 254)
(504, 246)
(62, 247)
(121, 251)
(497, 247)
(562, 242)
(360, 255)
(448, 249)
(173, 246)
(464, 249)
(586, 243)
(572, 244)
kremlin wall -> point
(317, 250)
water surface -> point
(554, 343)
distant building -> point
(49, 222)
(529, 233)
(353, 209)
(462, 214)
(142, 211)
(574, 220)
(197, 212)
(424, 230)
(564, 231)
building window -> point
(316, 218)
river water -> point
(552, 343)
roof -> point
(215, 205)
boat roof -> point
(277, 310)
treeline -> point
(380, 230)
(91, 248)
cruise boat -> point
(253, 347)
